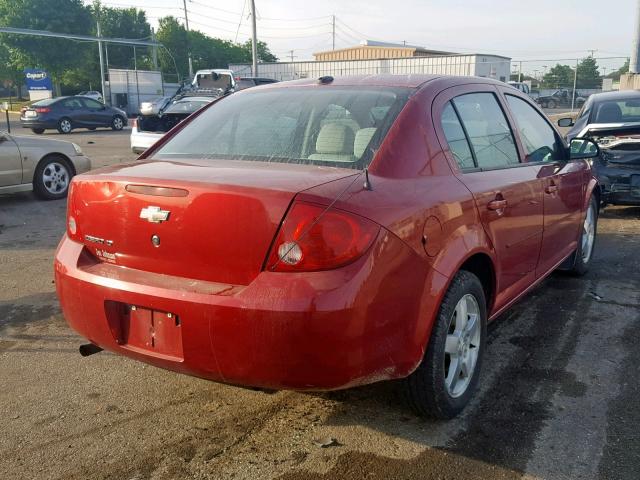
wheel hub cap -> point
(55, 178)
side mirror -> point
(581, 148)
(565, 122)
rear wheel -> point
(65, 126)
(586, 244)
(444, 382)
(52, 178)
(117, 123)
(551, 104)
(38, 131)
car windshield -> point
(338, 126)
(186, 106)
(620, 110)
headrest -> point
(335, 138)
(363, 137)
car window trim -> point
(507, 118)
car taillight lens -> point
(43, 109)
(134, 123)
(312, 239)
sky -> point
(540, 33)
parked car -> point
(248, 82)
(40, 164)
(522, 86)
(612, 120)
(148, 129)
(68, 113)
(92, 94)
(560, 98)
(323, 234)
(155, 106)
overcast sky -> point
(534, 30)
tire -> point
(65, 126)
(586, 244)
(428, 389)
(38, 131)
(91, 128)
(551, 104)
(52, 178)
(117, 123)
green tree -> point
(621, 71)
(56, 55)
(588, 74)
(559, 76)
(264, 54)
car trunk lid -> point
(212, 221)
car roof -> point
(615, 95)
(386, 80)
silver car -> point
(39, 164)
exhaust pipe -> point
(89, 349)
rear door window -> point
(540, 141)
(457, 140)
(487, 129)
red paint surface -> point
(365, 321)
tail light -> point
(134, 123)
(43, 109)
(312, 239)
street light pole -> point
(104, 97)
(186, 24)
(254, 40)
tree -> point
(588, 74)
(621, 71)
(559, 76)
(55, 55)
(264, 54)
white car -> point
(155, 106)
(147, 130)
(92, 94)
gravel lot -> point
(559, 397)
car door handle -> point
(497, 205)
(551, 188)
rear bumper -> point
(141, 141)
(363, 323)
(38, 123)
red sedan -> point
(322, 234)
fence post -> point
(575, 83)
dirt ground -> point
(559, 394)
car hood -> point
(619, 142)
(29, 141)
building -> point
(373, 50)
(490, 66)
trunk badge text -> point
(101, 241)
(154, 214)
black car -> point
(67, 113)
(248, 82)
(612, 119)
(561, 98)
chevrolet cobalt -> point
(323, 234)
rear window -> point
(45, 102)
(338, 126)
(623, 110)
(189, 106)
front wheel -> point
(551, 104)
(52, 178)
(444, 382)
(586, 244)
(117, 123)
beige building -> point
(372, 50)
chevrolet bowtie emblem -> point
(154, 214)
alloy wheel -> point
(462, 345)
(65, 125)
(55, 178)
(588, 233)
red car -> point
(322, 234)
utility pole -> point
(333, 32)
(520, 72)
(154, 51)
(575, 84)
(634, 64)
(254, 40)
(104, 97)
(186, 23)
(592, 52)
(291, 55)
